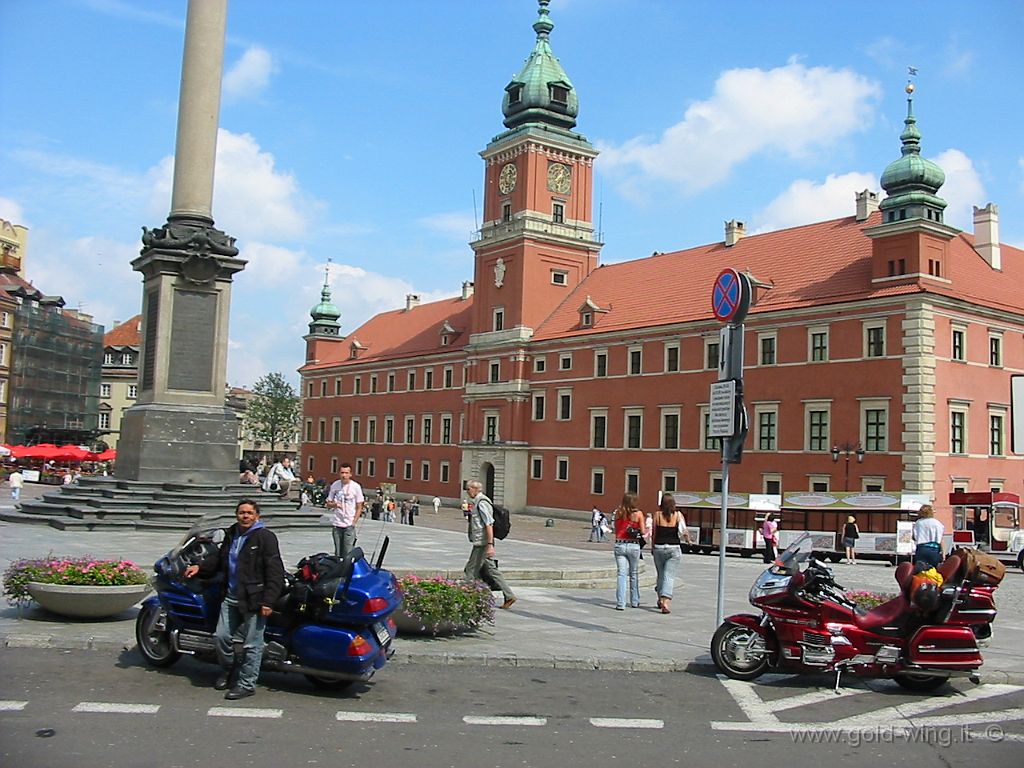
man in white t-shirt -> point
(345, 498)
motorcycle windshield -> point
(788, 562)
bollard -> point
(549, 523)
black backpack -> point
(502, 521)
(318, 567)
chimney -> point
(467, 289)
(116, 323)
(411, 300)
(867, 203)
(734, 232)
(986, 234)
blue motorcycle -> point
(335, 630)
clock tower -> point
(537, 243)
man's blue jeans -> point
(248, 628)
(344, 539)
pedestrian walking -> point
(629, 540)
(250, 559)
(345, 498)
(437, 505)
(669, 533)
(482, 563)
(770, 534)
(17, 482)
(928, 533)
(850, 535)
(596, 525)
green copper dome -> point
(912, 179)
(325, 314)
(541, 92)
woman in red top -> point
(629, 527)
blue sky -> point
(351, 131)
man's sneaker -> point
(509, 602)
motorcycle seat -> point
(886, 614)
(904, 575)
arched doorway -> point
(488, 479)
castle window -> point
(515, 94)
(559, 277)
(559, 94)
(499, 319)
(558, 213)
(506, 211)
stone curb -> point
(701, 665)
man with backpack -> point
(482, 563)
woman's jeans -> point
(929, 554)
(235, 624)
(667, 558)
(627, 563)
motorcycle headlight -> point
(769, 583)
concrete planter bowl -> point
(409, 624)
(87, 601)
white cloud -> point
(250, 75)
(11, 211)
(805, 201)
(457, 225)
(270, 265)
(963, 188)
(251, 198)
(792, 109)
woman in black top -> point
(669, 533)
(850, 535)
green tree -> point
(274, 412)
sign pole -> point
(730, 302)
(720, 605)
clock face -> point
(507, 179)
(559, 178)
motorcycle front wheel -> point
(919, 682)
(740, 652)
(154, 644)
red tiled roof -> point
(124, 335)
(809, 265)
(401, 332)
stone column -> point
(179, 430)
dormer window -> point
(587, 319)
(354, 349)
(588, 312)
(444, 340)
(559, 94)
(515, 94)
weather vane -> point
(911, 72)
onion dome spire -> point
(912, 182)
(325, 314)
(542, 91)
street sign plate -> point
(722, 417)
(730, 297)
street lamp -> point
(846, 450)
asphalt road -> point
(79, 709)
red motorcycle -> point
(921, 638)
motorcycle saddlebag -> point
(981, 567)
(945, 647)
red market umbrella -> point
(108, 455)
(45, 451)
(72, 453)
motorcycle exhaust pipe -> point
(289, 666)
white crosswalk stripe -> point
(626, 722)
(484, 720)
(12, 706)
(375, 717)
(267, 714)
(104, 707)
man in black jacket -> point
(250, 559)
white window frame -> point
(995, 343)
(536, 467)
(559, 277)
(597, 354)
(596, 472)
(870, 325)
(965, 411)
(631, 472)
(627, 414)
(565, 361)
(668, 475)
(638, 349)
(498, 319)
(811, 333)
(874, 404)
(958, 328)
(759, 409)
(997, 412)
(559, 414)
(670, 411)
(812, 406)
(596, 413)
(711, 341)
(540, 364)
(105, 390)
(539, 398)
(773, 337)
(679, 360)
(562, 469)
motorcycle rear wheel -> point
(739, 652)
(919, 682)
(154, 645)
(327, 684)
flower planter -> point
(409, 624)
(86, 601)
